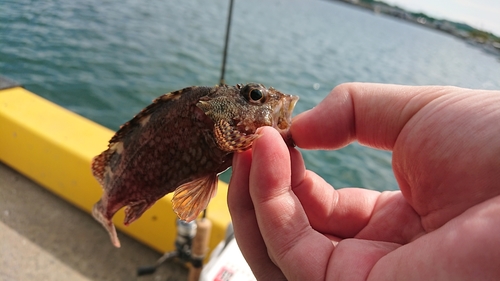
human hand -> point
(443, 224)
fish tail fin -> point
(99, 213)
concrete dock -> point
(42, 237)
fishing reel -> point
(190, 247)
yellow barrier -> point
(54, 146)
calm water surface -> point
(106, 60)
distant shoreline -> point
(487, 41)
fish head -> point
(249, 107)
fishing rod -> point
(191, 243)
(226, 43)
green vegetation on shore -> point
(489, 41)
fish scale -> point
(181, 143)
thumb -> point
(373, 114)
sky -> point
(481, 14)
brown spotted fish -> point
(180, 143)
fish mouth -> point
(283, 113)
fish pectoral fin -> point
(134, 211)
(229, 139)
(98, 214)
(192, 197)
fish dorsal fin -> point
(142, 118)
(192, 197)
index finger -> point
(297, 249)
(373, 114)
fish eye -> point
(256, 94)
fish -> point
(180, 143)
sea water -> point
(106, 60)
